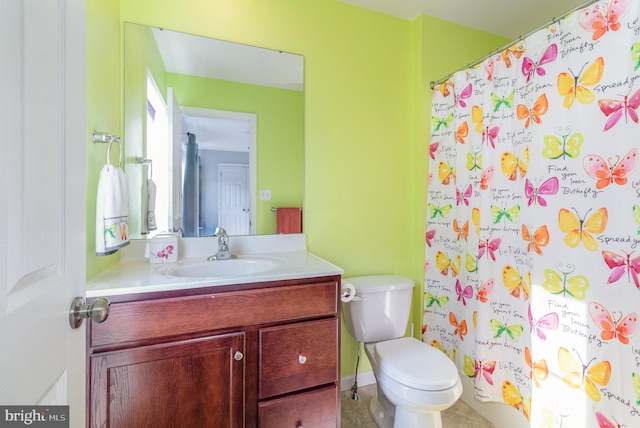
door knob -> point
(98, 311)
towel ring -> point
(117, 140)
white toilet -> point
(415, 381)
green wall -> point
(367, 110)
(280, 123)
(104, 108)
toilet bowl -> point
(415, 381)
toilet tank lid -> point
(379, 283)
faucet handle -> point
(219, 232)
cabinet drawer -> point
(317, 409)
(154, 319)
(298, 356)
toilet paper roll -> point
(348, 291)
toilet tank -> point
(380, 308)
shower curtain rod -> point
(433, 84)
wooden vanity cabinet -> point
(249, 355)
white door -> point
(233, 199)
(42, 203)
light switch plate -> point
(265, 195)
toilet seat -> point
(416, 364)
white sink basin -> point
(233, 267)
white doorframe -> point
(253, 153)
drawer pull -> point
(238, 356)
(302, 359)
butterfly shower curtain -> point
(531, 283)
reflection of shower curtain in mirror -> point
(532, 267)
(191, 184)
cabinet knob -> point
(238, 356)
(302, 359)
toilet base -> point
(405, 419)
(401, 418)
(383, 418)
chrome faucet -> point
(223, 246)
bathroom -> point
(366, 117)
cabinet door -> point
(191, 383)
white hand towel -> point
(151, 205)
(144, 210)
(112, 211)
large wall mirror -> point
(213, 132)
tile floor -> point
(355, 413)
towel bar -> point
(104, 137)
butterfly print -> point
(613, 324)
(539, 369)
(433, 148)
(463, 293)
(537, 240)
(485, 289)
(621, 264)
(464, 94)
(582, 229)
(547, 188)
(515, 282)
(582, 375)
(460, 329)
(539, 108)
(489, 246)
(531, 68)
(550, 321)
(606, 173)
(614, 109)
(429, 235)
(463, 196)
(575, 286)
(603, 17)
(574, 87)
(474, 369)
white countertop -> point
(136, 275)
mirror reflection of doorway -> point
(225, 145)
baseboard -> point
(364, 379)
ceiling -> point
(507, 18)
